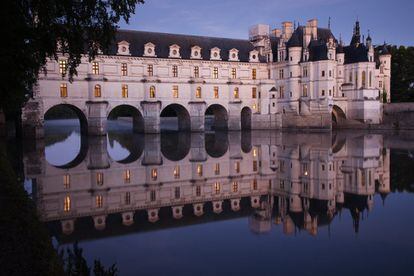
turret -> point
(385, 59)
(295, 48)
(340, 54)
(368, 43)
(331, 48)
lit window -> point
(97, 91)
(154, 174)
(99, 179)
(236, 93)
(215, 73)
(63, 90)
(150, 70)
(153, 195)
(152, 92)
(99, 201)
(66, 181)
(124, 91)
(66, 204)
(237, 166)
(124, 69)
(217, 188)
(127, 198)
(63, 66)
(254, 72)
(198, 92)
(127, 176)
(200, 170)
(177, 192)
(217, 169)
(198, 191)
(254, 92)
(216, 92)
(95, 68)
(233, 73)
(235, 187)
(254, 184)
(196, 72)
(175, 71)
(177, 172)
(175, 91)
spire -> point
(356, 37)
(329, 23)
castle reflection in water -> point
(294, 181)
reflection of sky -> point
(382, 246)
(117, 152)
(65, 151)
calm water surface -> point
(254, 203)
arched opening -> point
(65, 130)
(338, 116)
(216, 118)
(217, 144)
(246, 118)
(125, 117)
(125, 148)
(175, 146)
(175, 117)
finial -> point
(329, 23)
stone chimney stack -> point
(287, 30)
(313, 25)
(307, 35)
(276, 32)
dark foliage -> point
(402, 74)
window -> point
(217, 188)
(305, 71)
(127, 176)
(196, 72)
(97, 91)
(200, 170)
(153, 196)
(99, 179)
(364, 79)
(66, 204)
(99, 201)
(127, 198)
(236, 92)
(323, 73)
(254, 184)
(356, 79)
(216, 92)
(177, 192)
(330, 73)
(63, 66)
(175, 91)
(177, 172)
(235, 186)
(254, 165)
(152, 92)
(380, 84)
(281, 92)
(350, 76)
(198, 92)
(233, 73)
(370, 78)
(254, 92)
(330, 92)
(124, 91)
(323, 186)
(305, 90)
(66, 181)
(323, 93)
(150, 70)
(124, 69)
(269, 74)
(254, 72)
(154, 174)
(95, 68)
(237, 167)
(217, 169)
(281, 74)
(63, 90)
(198, 190)
(215, 73)
(175, 71)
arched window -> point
(124, 91)
(198, 92)
(370, 78)
(364, 79)
(66, 204)
(97, 91)
(236, 93)
(305, 90)
(152, 92)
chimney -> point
(313, 24)
(287, 29)
(307, 34)
(276, 32)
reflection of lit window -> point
(198, 191)
(99, 201)
(217, 187)
(323, 186)
(217, 169)
(177, 172)
(235, 187)
(254, 74)
(124, 69)
(97, 91)
(63, 90)
(153, 195)
(254, 152)
(95, 68)
(216, 92)
(152, 92)
(200, 170)
(254, 92)
(254, 165)
(66, 204)
(154, 174)
(66, 181)
(127, 176)
(124, 91)
(236, 93)
(127, 198)
(254, 184)
(175, 91)
(237, 166)
(99, 179)
(177, 192)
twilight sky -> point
(387, 20)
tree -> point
(36, 30)
(402, 74)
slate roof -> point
(354, 54)
(162, 42)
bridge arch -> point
(246, 118)
(175, 117)
(175, 146)
(216, 117)
(125, 110)
(64, 111)
(338, 116)
(216, 144)
(132, 143)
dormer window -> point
(123, 48)
(215, 54)
(254, 56)
(174, 51)
(234, 55)
(196, 52)
(149, 50)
